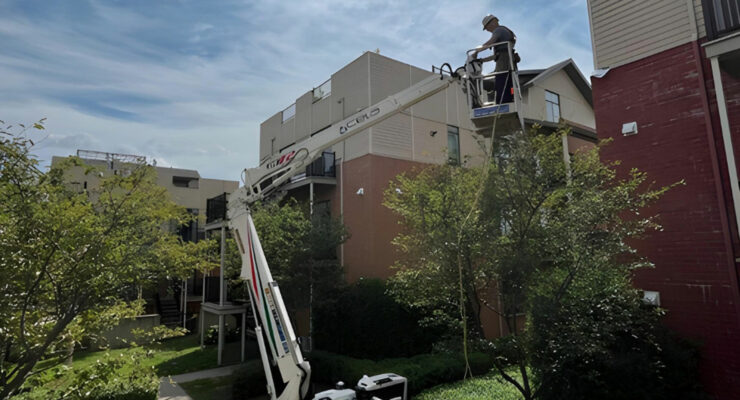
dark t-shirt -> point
(502, 34)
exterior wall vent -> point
(630, 128)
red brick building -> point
(667, 91)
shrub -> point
(605, 343)
(249, 381)
(231, 334)
(363, 321)
(103, 380)
(422, 371)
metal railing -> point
(323, 166)
(478, 80)
(216, 208)
(721, 17)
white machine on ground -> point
(274, 330)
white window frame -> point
(551, 107)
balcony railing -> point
(322, 166)
(216, 208)
(721, 17)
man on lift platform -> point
(502, 82)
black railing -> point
(216, 208)
(322, 166)
(721, 17)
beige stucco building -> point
(349, 180)
(186, 188)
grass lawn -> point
(210, 389)
(488, 387)
(171, 357)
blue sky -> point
(188, 82)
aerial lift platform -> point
(486, 107)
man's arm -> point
(494, 38)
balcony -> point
(721, 17)
(321, 171)
(322, 166)
(216, 208)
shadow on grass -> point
(183, 357)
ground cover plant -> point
(486, 387)
(170, 357)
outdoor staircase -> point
(169, 313)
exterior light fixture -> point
(630, 128)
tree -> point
(300, 250)
(68, 259)
(431, 205)
(549, 236)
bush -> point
(103, 380)
(422, 371)
(605, 343)
(363, 321)
(231, 334)
(249, 381)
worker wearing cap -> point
(500, 33)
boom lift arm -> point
(269, 309)
(259, 183)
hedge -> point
(363, 321)
(422, 371)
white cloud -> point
(189, 83)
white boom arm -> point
(269, 309)
(262, 181)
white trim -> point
(591, 26)
(726, 137)
(694, 29)
(369, 103)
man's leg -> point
(503, 83)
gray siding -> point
(270, 129)
(321, 114)
(628, 30)
(349, 86)
(392, 137)
(303, 117)
(387, 77)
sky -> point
(188, 82)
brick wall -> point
(694, 262)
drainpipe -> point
(726, 138)
(719, 190)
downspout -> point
(721, 203)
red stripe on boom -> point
(251, 261)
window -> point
(322, 91)
(272, 146)
(185, 182)
(289, 112)
(552, 105)
(453, 145)
(188, 232)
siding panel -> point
(321, 114)
(269, 129)
(387, 77)
(350, 86)
(628, 30)
(303, 116)
(392, 137)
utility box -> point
(383, 387)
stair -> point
(169, 313)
